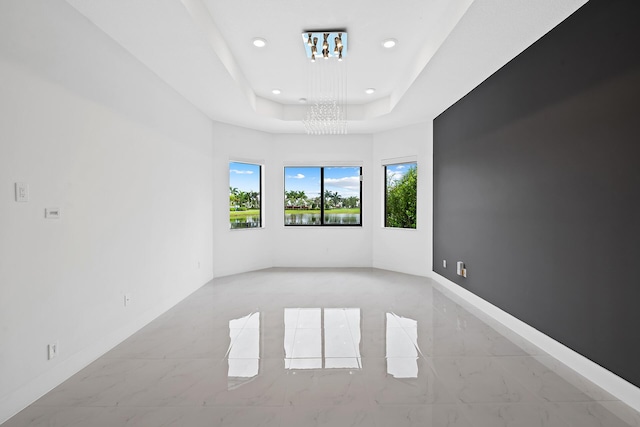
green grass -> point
(244, 214)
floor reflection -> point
(317, 338)
(402, 349)
(243, 354)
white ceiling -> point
(203, 49)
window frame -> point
(322, 190)
(385, 165)
(260, 166)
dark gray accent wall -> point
(537, 186)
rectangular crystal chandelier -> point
(327, 89)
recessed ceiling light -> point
(302, 100)
(276, 91)
(259, 42)
(369, 91)
(389, 43)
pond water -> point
(314, 219)
(253, 221)
(249, 221)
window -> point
(322, 195)
(245, 184)
(401, 195)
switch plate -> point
(460, 268)
(22, 192)
(444, 263)
(52, 213)
(52, 350)
(127, 299)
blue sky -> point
(244, 176)
(344, 180)
(396, 172)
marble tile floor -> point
(325, 347)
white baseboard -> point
(607, 380)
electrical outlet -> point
(52, 350)
(127, 299)
(52, 213)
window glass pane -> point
(341, 195)
(244, 195)
(401, 195)
(302, 196)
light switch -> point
(22, 192)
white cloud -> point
(239, 172)
(396, 172)
(298, 176)
(351, 183)
(394, 175)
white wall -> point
(404, 250)
(142, 180)
(237, 251)
(126, 159)
(275, 245)
(240, 250)
(321, 246)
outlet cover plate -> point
(52, 350)
(22, 192)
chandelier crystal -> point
(326, 113)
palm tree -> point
(295, 198)
(253, 200)
(351, 202)
(233, 198)
(332, 199)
